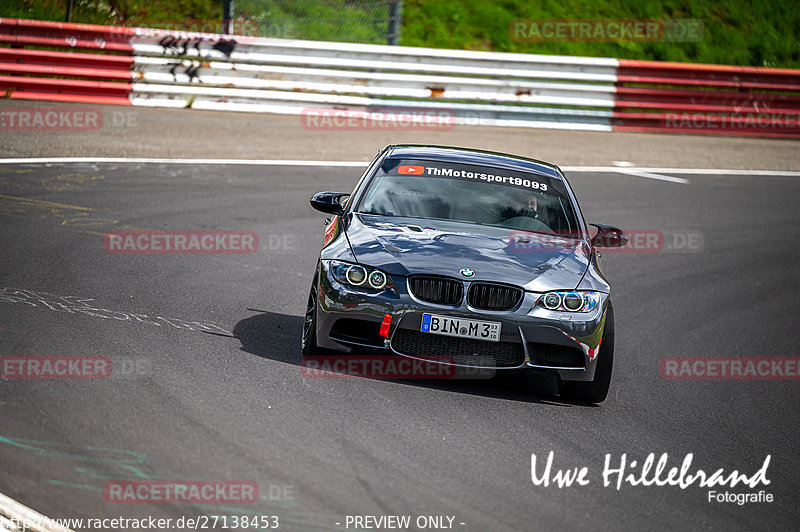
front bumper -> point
(348, 319)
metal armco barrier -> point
(162, 68)
(714, 99)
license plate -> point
(460, 327)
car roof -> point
(456, 154)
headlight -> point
(356, 275)
(377, 279)
(551, 301)
(570, 301)
(361, 276)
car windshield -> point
(470, 193)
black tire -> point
(595, 391)
(308, 341)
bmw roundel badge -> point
(466, 272)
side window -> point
(368, 171)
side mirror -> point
(329, 202)
(609, 236)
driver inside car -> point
(527, 206)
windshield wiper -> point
(387, 213)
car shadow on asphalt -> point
(277, 337)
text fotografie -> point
(649, 473)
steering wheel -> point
(526, 223)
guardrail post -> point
(395, 21)
(227, 17)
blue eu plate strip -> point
(426, 323)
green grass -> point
(115, 12)
(746, 32)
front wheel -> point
(595, 391)
(309, 339)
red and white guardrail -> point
(164, 68)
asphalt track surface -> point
(184, 133)
(236, 407)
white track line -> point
(21, 515)
(256, 162)
(650, 175)
(361, 164)
(690, 171)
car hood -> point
(407, 246)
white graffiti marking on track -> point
(82, 305)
